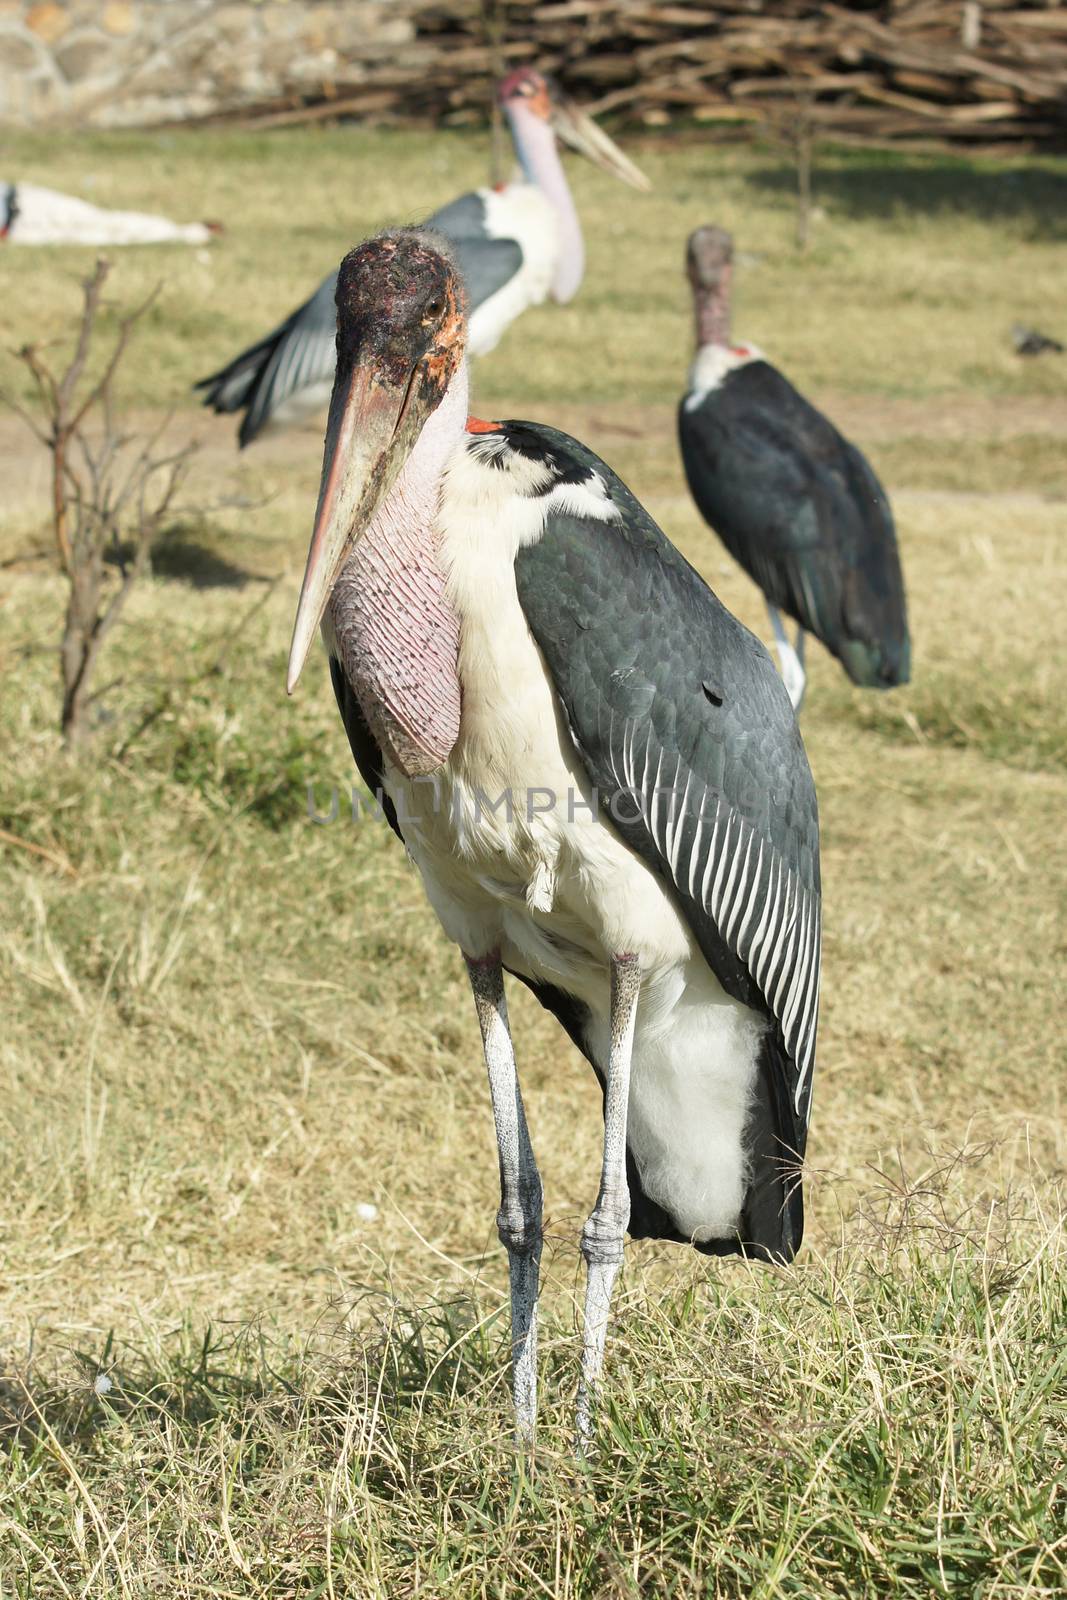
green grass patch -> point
(879, 1423)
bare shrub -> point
(112, 493)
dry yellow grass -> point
(228, 1033)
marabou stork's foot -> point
(519, 1218)
(790, 657)
(603, 1234)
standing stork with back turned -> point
(515, 245)
(597, 773)
(794, 502)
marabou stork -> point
(514, 245)
(32, 215)
(597, 773)
(792, 500)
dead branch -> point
(53, 856)
(651, 61)
(112, 492)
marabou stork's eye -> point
(434, 309)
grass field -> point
(252, 1305)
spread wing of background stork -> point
(514, 246)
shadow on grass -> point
(874, 186)
(188, 1388)
(183, 560)
(400, 1359)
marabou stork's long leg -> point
(519, 1218)
(792, 658)
(602, 1236)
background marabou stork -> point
(597, 773)
(514, 245)
(791, 499)
(30, 214)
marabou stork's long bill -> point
(792, 500)
(30, 214)
(514, 245)
(597, 773)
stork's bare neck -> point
(538, 152)
(396, 635)
(712, 312)
(709, 265)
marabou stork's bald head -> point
(401, 338)
(709, 254)
(538, 111)
(525, 86)
(709, 265)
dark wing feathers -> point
(304, 354)
(365, 751)
(486, 264)
(461, 218)
(301, 351)
(690, 740)
(228, 389)
(802, 511)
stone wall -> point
(116, 63)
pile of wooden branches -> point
(976, 72)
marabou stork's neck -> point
(711, 304)
(397, 637)
(538, 153)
